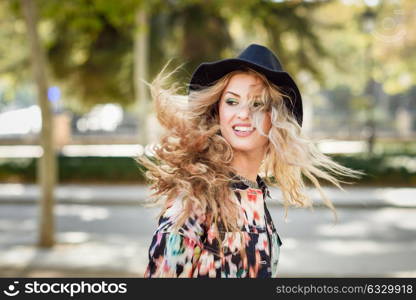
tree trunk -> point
(47, 163)
(141, 72)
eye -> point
(257, 104)
(231, 101)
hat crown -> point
(262, 56)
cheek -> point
(221, 113)
(267, 123)
(224, 114)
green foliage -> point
(18, 170)
(382, 169)
(100, 169)
(391, 169)
(76, 169)
(14, 53)
(291, 29)
(87, 51)
(90, 42)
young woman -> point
(243, 118)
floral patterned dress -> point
(192, 251)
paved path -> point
(112, 240)
(104, 230)
(138, 194)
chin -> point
(240, 147)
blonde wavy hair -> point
(193, 161)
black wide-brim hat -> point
(260, 59)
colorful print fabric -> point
(192, 251)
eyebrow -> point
(235, 94)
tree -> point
(141, 44)
(47, 167)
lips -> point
(243, 129)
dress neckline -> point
(239, 184)
(250, 183)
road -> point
(113, 240)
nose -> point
(244, 111)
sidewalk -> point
(354, 197)
(106, 231)
(97, 258)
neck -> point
(247, 165)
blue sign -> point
(54, 94)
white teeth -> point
(243, 128)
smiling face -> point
(235, 116)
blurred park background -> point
(75, 111)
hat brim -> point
(208, 73)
